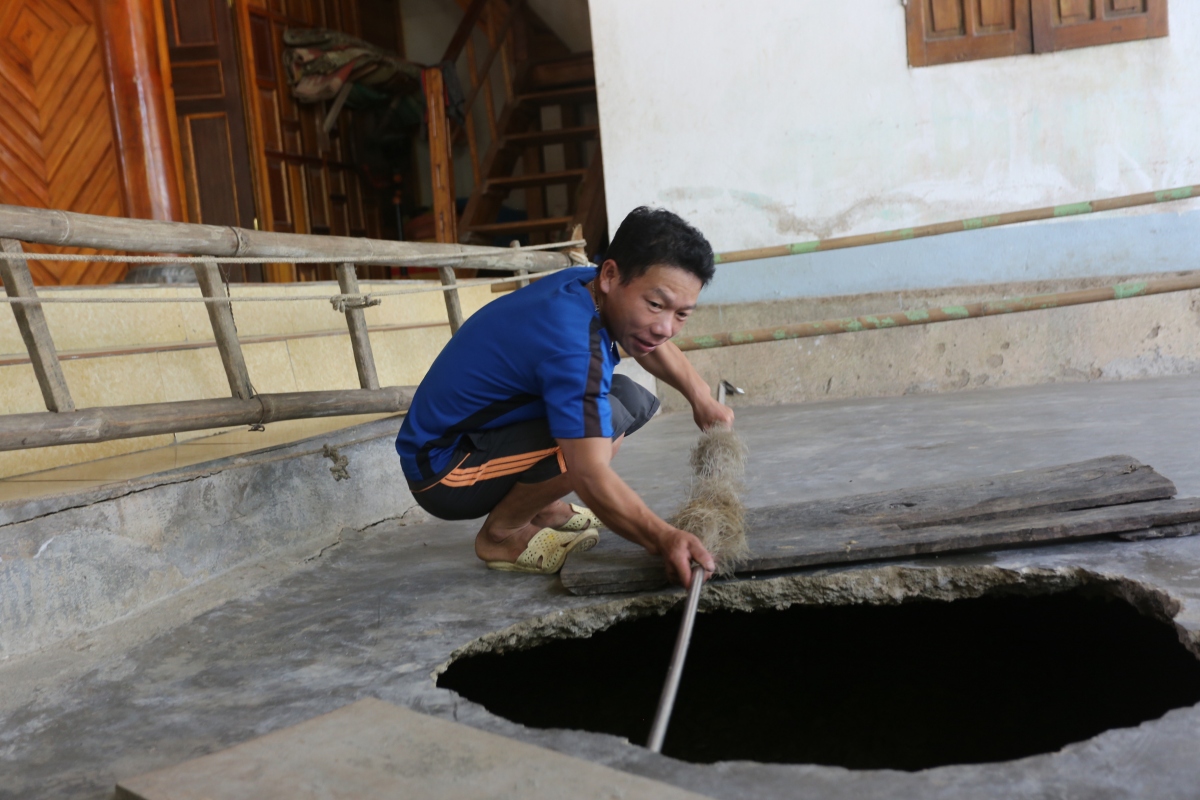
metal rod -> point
(666, 703)
(975, 223)
(926, 316)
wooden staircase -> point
(550, 103)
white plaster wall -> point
(773, 121)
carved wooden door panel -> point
(57, 146)
(213, 141)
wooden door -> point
(57, 144)
(311, 180)
(212, 125)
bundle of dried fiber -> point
(714, 512)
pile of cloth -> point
(320, 62)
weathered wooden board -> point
(1115, 494)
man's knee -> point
(632, 405)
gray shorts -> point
(488, 463)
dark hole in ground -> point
(865, 687)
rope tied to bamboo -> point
(343, 302)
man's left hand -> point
(708, 412)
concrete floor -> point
(376, 615)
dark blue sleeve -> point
(574, 387)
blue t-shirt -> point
(538, 352)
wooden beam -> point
(141, 117)
(441, 165)
(465, 28)
(32, 324)
(1109, 495)
(22, 431)
(356, 321)
(224, 330)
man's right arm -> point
(593, 479)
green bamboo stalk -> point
(973, 224)
(926, 316)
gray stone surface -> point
(72, 562)
(376, 615)
(372, 749)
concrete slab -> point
(376, 615)
(372, 749)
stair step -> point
(553, 97)
(538, 179)
(562, 72)
(522, 226)
(536, 138)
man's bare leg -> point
(525, 510)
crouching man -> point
(522, 407)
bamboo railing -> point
(63, 424)
(960, 225)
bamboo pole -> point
(356, 321)
(973, 224)
(21, 431)
(926, 316)
(14, 271)
(71, 229)
(220, 315)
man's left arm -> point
(668, 363)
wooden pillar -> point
(32, 324)
(139, 85)
(441, 170)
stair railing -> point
(497, 19)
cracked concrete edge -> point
(885, 585)
(73, 656)
(82, 567)
(15, 511)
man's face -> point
(650, 309)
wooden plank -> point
(356, 321)
(32, 324)
(208, 275)
(575, 94)
(1052, 504)
(553, 136)
(505, 185)
(545, 224)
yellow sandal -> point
(582, 519)
(547, 551)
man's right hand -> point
(626, 514)
(679, 549)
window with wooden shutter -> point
(945, 31)
(1064, 24)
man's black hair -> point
(650, 236)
